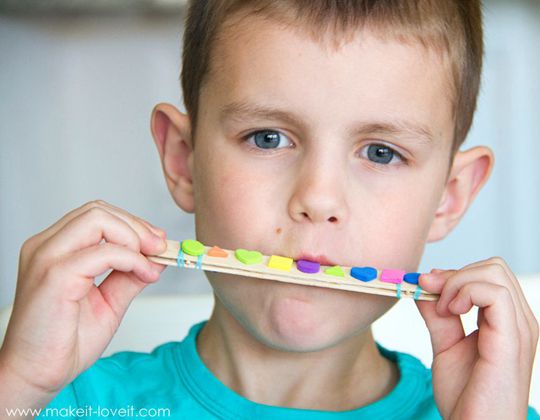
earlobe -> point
(470, 171)
(171, 131)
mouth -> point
(321, 259)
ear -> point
(171, 130)
(469, 172)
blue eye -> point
(267, 139)
(381, 154)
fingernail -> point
(159, 233)
(162, 244)
(428, 276)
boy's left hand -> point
(486, 374)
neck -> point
(349, 375)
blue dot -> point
(411, 278)
(364, 273)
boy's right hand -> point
(61, 321)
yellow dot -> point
(280, 263)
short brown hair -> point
(450, 26)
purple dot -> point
(306, 266)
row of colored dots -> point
(365, 274)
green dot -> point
(335, 271)
(192, 247)
(248, 257)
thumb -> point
(445, 331)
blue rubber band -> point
(417, 292)
(199, 262)
(180, 258)
(398, 290)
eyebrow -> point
(242, 111)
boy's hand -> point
(61, 321)
(487, 374)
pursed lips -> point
(321, 259)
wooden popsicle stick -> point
(231, 265)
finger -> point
(498, 331)
(142, 227)
(74, 276)
(90, 228)
(445, 331)
(434, 282)
(131, 218)
(145, 230)
(489, 274)
(448, 284)
(119, 289)
(518, 293)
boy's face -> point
(323, 176)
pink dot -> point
(392, 276)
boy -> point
(324, 130)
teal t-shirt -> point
(172, 382)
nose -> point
(319, 193)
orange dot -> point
(216, 251)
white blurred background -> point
(77, 89)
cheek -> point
(392, 226)
(236, 205)
(225, 204)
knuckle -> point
(466, 289)
(496, 269)
(28, 247)
(41, 257)
(95, 203)
(501, 292)
(137, 242)
(116, 251)
(29, 242)
(95, 213)
(535, 328)
(100, 202)
(110, 247)
(26, 257)
(497, 260)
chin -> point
(297, 318)
(295, 324)
(305, 320)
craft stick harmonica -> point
(193, 254)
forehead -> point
(365, 75)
